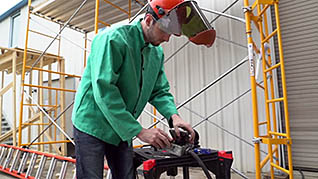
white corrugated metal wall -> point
(300, 40)
(194, 67)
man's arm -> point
(163, 100)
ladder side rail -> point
(23, 74)
(26, 152)
(283, 78)
(266, 91)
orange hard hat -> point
(161, 7)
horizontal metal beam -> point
(223, 14)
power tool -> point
(181, 145)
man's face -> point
(155, 35)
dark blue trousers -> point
(91, 151)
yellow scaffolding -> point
(27, 61)
(51, 107)
(272, 136)
(98, 20)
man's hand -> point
(178, 122)
(155, 137)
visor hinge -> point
(161, 11)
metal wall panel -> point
(194, 67)
(299, 27)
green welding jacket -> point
(123, 73)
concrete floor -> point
(5, 176)
(198, 174)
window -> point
(14, 30)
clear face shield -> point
(187, 19)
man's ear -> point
(148, 20)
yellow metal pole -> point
(253, 87)
(62, 105)
(272, 87)
(104, 23)
(154, 119)
(48, 142)
(55, 112)
(265, 160)
(267, 112)
(1, 101)
(85, 51)
(30, 111)
(50, 71)
(96, 16)
(35, 124)
(115, 6)
(62, 96)
(49, 83)
(52, 88)
(23, 73)
(129, 11)
(14, 75)
(41, 102)
(281, 57)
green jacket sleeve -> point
(161, 98)
(107, 57)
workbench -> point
(155, 162)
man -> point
(124, 72)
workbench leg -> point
(185, 172)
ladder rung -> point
(270, 2)
(265, 160)
(42, 105)
(274, 100)
(3, 154)
(23, 162)
(15, 159)
(41, 166)
(36, 32)
(104, 23)
(38, 124)
(51, 168)
(262, 123)
(31, 165)
(280, 168)
(49, 142)
(46, 87)
(50, 71)
(8, 159)
(264, 136)
(277, 134)
(272, 67)
(270, 35)
(263, 10)
(63, 170)
(283, 141)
